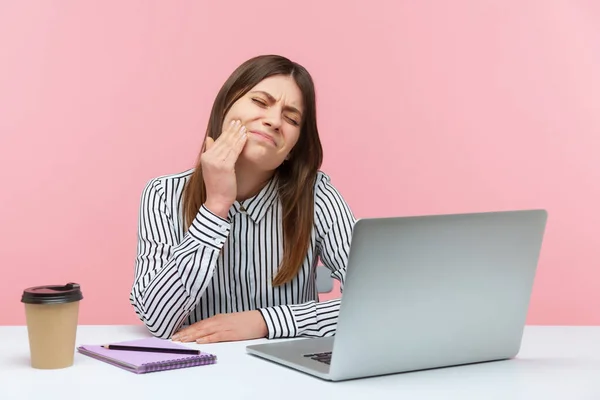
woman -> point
(227, 250)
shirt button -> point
(243, 209)
(223, 228)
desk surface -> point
(554, 363)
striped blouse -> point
(227, 265)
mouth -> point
(263, 136)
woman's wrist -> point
(218, 208)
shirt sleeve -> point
(170, 276)
(334, 223)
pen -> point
(150, 349)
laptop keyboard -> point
(324, 357)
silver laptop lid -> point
(432, 291)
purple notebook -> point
(144, 362)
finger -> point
(199, 329)
(192, 335)
(230, 133)
(183, 330)
(226, 139)
(233, 150)
(180, 334)
(232, 145)
(188, 330)
(239, 143)
(213, 338)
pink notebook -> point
(144, 362)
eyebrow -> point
(272, 99)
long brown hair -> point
(296, 176)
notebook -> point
(143, 362)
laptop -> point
(425, 292)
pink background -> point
(425, 107)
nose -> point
(273, 119)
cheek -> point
(232, 114)
(291, 138)
(237, 111)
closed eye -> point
(292, 121)
(259, 102)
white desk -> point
(554, 363)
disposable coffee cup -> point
(52, 313)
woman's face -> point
(272, 113)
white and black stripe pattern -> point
(227, 265)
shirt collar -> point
(257, 206)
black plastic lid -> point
(52, 294)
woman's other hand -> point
(225, 328)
